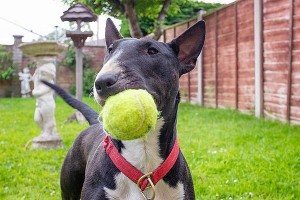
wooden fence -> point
(250, 60)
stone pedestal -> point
(47, 142)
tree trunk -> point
(162, 15)
(132, 18)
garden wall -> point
(227, 75)
(65, 76)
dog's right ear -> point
(111, 33)
(188, 46)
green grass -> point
(231, 155)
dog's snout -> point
(105, 83)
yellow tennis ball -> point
(130, 114)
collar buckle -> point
(149, 184)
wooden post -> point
(236, 57)
(290, 68)
(216, 58)
(79, 73)
(189, 75)
(258, 49)
(200, 92)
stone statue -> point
(25, 78)
(45, 107)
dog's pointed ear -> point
(111, 33)
(188, 46)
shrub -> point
(70, 59)
(7, 69)
(89, 76)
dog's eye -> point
(110, 48)
(152, 51)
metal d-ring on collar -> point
(150, 185)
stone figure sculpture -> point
(25, 78)
(45, 107)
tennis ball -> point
(130, 114)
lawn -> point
(231, 155)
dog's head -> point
(147, 64)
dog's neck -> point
(146, 154)
(168, 132)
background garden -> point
(231, 155)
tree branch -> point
(162, 15)
(133, 22)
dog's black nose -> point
(104, 84)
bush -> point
(7, 69)
(89, 76)
(70, 59)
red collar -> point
(142, 180)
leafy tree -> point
(141, 17)
(132, 11)
(187, 9)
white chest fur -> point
(144, 155)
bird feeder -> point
(79, 13)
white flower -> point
(251, 194)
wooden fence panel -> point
(226, 57)
(246, 85)
(275, 35)
(209, 62)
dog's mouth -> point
(110, 84)
(102, 100)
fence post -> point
(290, 67)
(200, 86)
(258, 51)
(236, 36)
(216, 59)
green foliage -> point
(124, 28)
(72, 89)
(147, 11)
(8, 73)
(70, 59)
(88, 82)
(89, 76)
(146, 24)
(7, 69)
(180, 10)
(188, 9)
(231, 155)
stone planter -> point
(42, 48)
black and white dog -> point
(88, 171)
